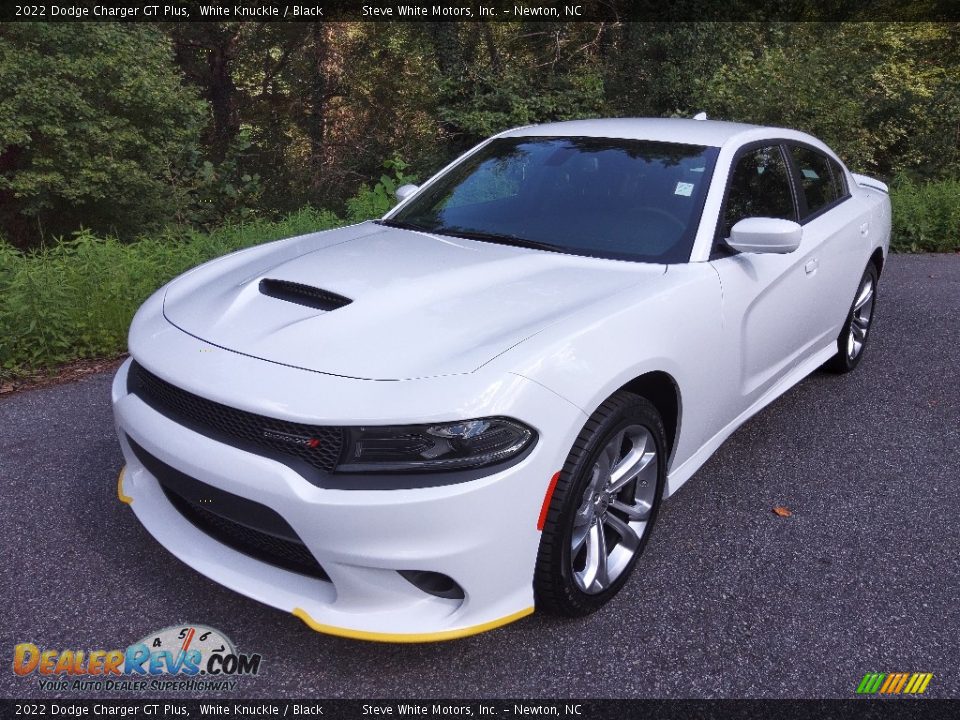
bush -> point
(374, 202)
(926, 216)
(75, 299)
(94, 124)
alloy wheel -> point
(860, 319)
(614, 511)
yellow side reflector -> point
(120, 496)
(408, 637)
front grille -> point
(228, 518)
(316, 445)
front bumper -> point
(480, 533)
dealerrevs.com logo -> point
(180, 658)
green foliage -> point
(881, 94)
(127, 128)
(370, 203)
(212, 194)
(665, 69)
(75, 298)
(495, 102)
(926, 216)
(490, 77)
(93, 119)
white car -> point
(422, 427)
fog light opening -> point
(433, 583)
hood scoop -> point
(303, 294)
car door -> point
(770, 301)
(835, 228)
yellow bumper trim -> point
(408, 637)
(120, 496)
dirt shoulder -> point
(67, 373)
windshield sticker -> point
(685, 189)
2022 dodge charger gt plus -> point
(420, 427)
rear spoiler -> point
(869, 182)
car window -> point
(816, 178)
(840, 178)
(495, 179)
(759, 187)
(601, 197)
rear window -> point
(840, 178)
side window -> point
(816, 178)
(759, 187)
(839, 178)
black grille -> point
(303, 294)
(316, 445)
(227, 518)
(283, 553)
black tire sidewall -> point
(842, 362)
(625, 410)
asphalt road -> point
(729, 600)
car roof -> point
(714, 133)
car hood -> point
(420, 305)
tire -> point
(853, 338)
(587, 508)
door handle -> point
(865, 229)
(811, 265)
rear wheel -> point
(856, 329)
(603, 507)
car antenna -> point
(700, 116)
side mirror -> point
(405, 191)
(765, 235)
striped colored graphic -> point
(894, 683)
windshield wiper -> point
(500, 238)
(403, 225)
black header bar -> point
(574, 709)
(537, 11)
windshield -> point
(626, 199)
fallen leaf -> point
(782, 511)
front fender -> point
(672, 324)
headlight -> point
(441, 446)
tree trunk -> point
(319, 88)
(206, 53)
(222, 93)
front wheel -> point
(856, 329)
(603, 507)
